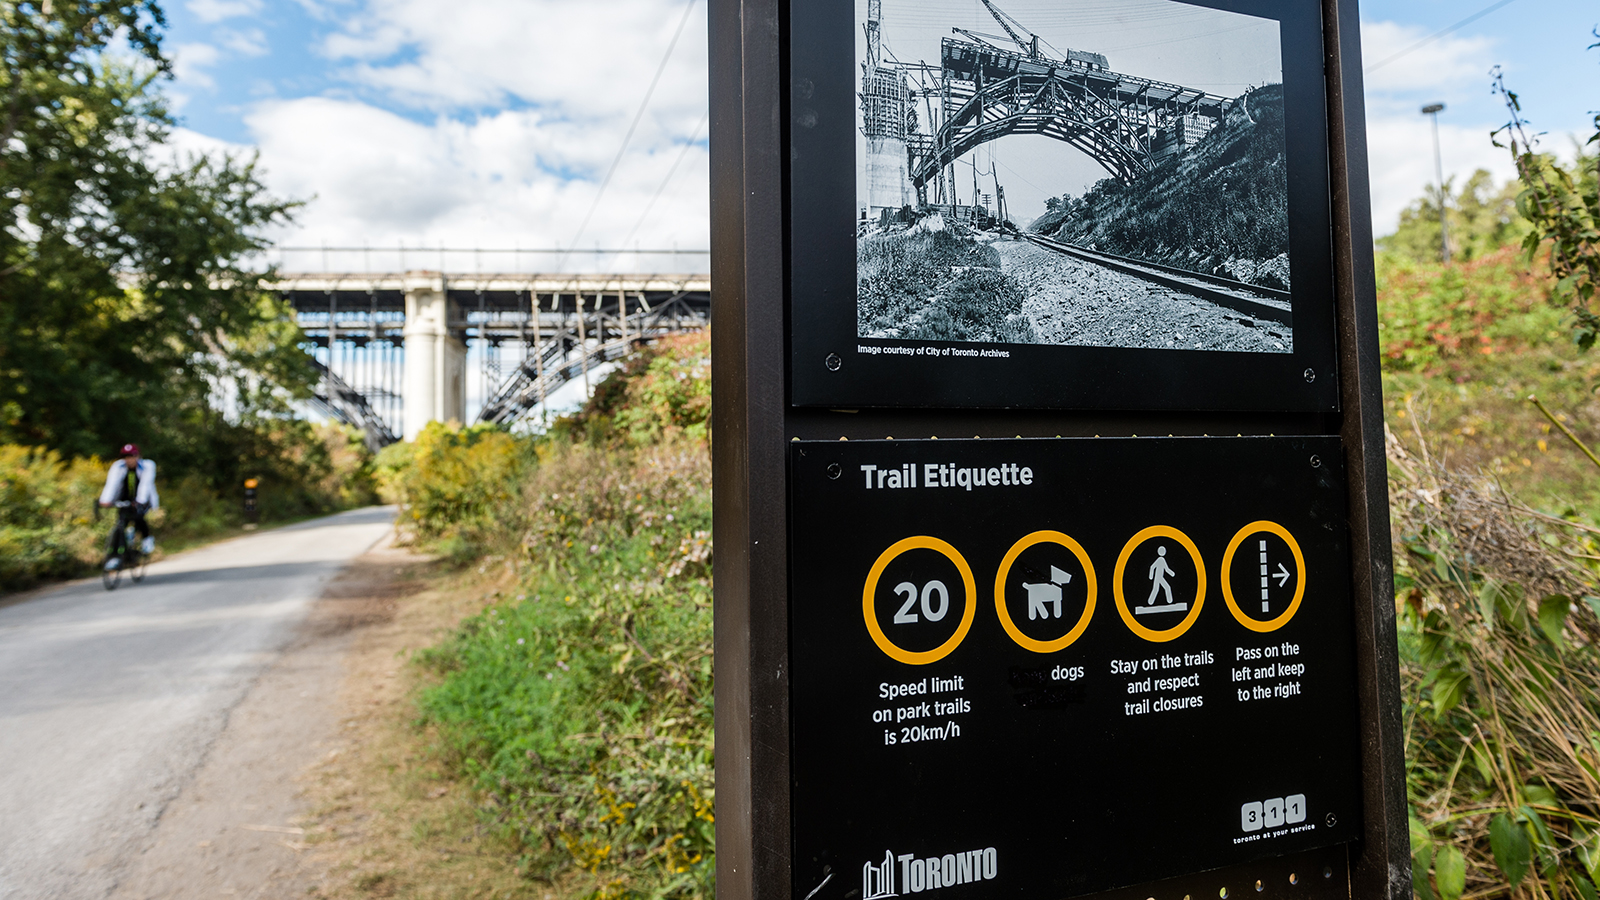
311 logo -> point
(1289, 810)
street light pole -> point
(1432, 110)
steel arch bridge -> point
(1129, 125)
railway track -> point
(1252, 300)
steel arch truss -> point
(1118, 120)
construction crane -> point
(1031, 46)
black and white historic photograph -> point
(1103, 173)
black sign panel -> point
(1047, 667)
(1183, 261)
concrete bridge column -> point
(436, 360)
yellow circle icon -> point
(869, 603)
(1065, 641)
(1128, 618)
(1227, 572)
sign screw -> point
(833, 362)
(1332, 820)
(835, 470)
(1316, 461)
(1310, 376)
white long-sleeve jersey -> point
(145, 492)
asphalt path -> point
(110, 700)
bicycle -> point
(132, 559)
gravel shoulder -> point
(239, 828)
(1071, 302)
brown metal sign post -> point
(1053, 554)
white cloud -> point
(569, 57)
(190, 61)
(1453, 70)
(483, 122)
(246, 42)
(374, 176)
(217, 10)
(1441, 64)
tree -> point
(1563, 206)
(1482, 219)
(127, 301)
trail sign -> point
(1053, 554)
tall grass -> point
(1500, 666)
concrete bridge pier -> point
(435, 358)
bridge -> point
(1129, 125)
(397, 350)
(987, 87)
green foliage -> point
(458, 487)
(1434, 317)
(46, 503)
(583, 708)
(126, 294)
(664, 388)
(580, 703)
(49, 527)
(1222, 205)
(1497, 667)
(1563, 205)
(1481, 219)
(937, 285)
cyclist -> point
(131, 481)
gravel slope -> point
(1077, 303)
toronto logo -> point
(918, 874)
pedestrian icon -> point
(1043, 596)
(1158, 572)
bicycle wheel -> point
(109, 578)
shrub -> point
(47, 527)
(458, 487)
(579, 704)
(1434, 315)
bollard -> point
(251, 514)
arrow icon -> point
(1282, 575)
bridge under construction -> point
(985, 87)
(397, 350)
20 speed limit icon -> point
(932, 596)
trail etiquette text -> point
(940, 475)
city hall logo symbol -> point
(878, 881)
(924, 874)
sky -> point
(494, 123)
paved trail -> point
(110, 702)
